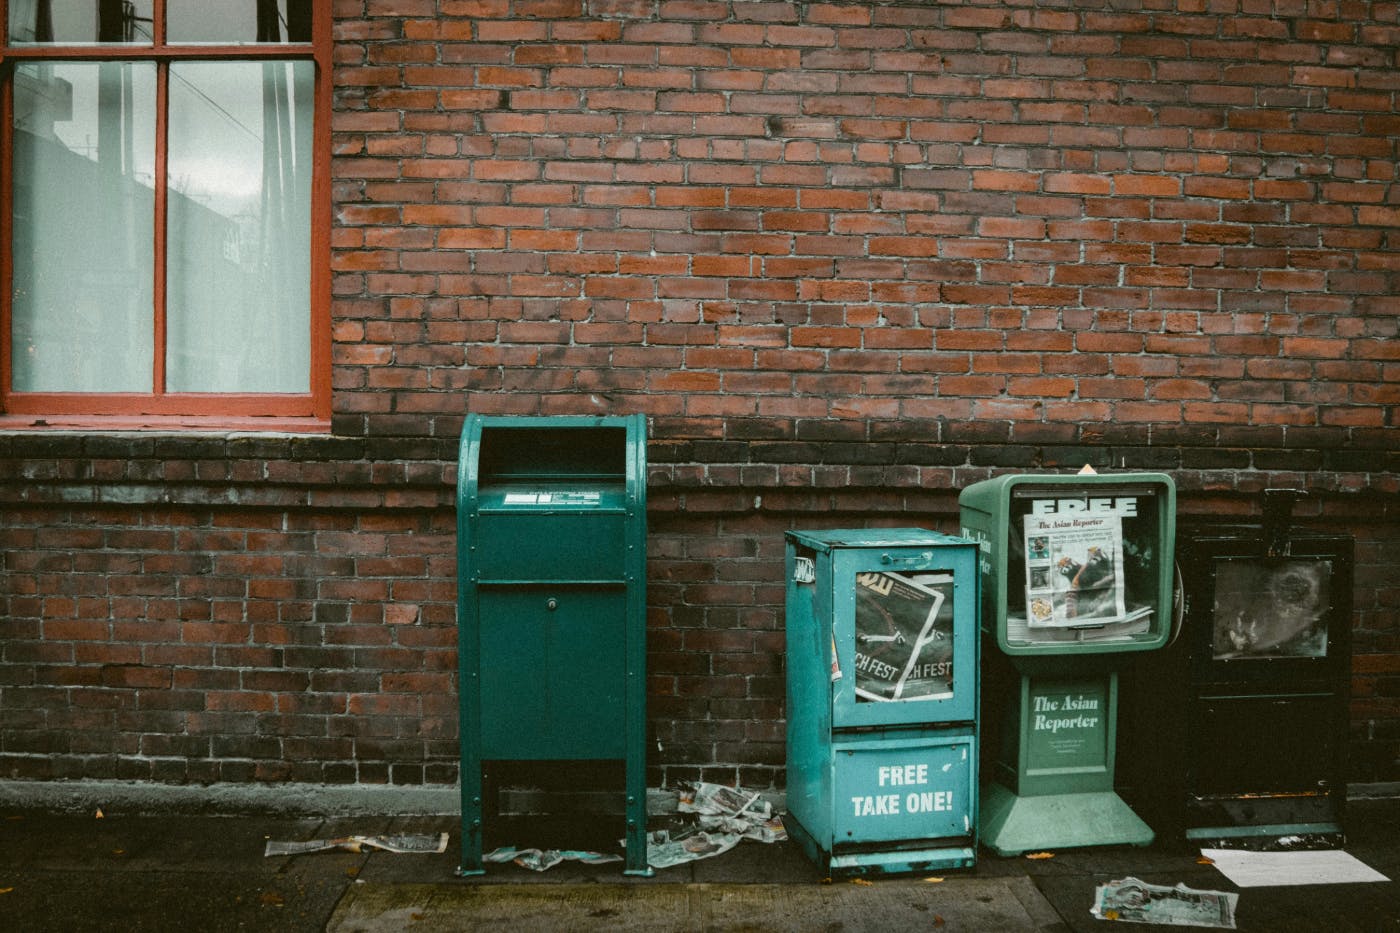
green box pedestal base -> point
(1012, 825)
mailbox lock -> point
(551, 604)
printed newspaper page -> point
(1136, 901)
(1074, 570)
(904, 636)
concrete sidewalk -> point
(67, 872)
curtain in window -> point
(238, 266)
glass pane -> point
(237, 22)
(239, 234)
(1083, 564)
(1271, 608)
(80, 22)
(84, 150)
(904, 636)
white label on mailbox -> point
(567, 497)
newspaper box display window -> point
(1077, 573)
(904, 636)
(551, 575)
(1257, 686)
(882, 699)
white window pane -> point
(235, 22)
(80, 22)
(238, 239)
(84, 149)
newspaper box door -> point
(901, 657)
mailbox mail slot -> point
(551, 551)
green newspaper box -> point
(1077, 571)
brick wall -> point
(1157, 223)
(847, 257)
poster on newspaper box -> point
(904, 636)
(1074, 570)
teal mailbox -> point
(882, 699)
(551, 576)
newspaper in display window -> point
(904, 636)
(1074, 570)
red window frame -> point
(161, 409)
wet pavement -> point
(67, 872)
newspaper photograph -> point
(1074, 570)
(1135, 901)
(904, 636)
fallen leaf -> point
(1205, 861)
(6, 890)
(938, 921)
(1040, 855)
(99, 814)
(271, 899)
(933, 880)
(862, 881)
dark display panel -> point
(1271, 608)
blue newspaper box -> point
(882, 699)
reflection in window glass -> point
(1271, 608)
(84, 149)
(80, 22)
(233, 22)
(238, 254)
(904, 636)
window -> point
(166, 202)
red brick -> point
(759, 224)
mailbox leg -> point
(469, 777)
(636, 778)
(636, 846)
(470, 863)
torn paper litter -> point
(402, 844)
(1135, 901)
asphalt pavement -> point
(180, 872)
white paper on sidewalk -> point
(1267, 869)
(401, 844)
(665, 850)
(545, 859)
(1135, 901)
